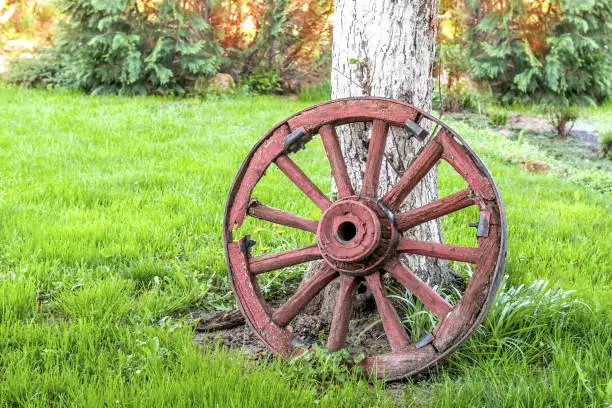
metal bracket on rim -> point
(246, 244)
(482, 226)
(414, 129)
(426, 338)
(297, 140)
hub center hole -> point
(346, 231)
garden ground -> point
(110, 247)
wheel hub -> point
(356, 235)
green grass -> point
(110, 241)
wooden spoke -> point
(434, 210)
(263, 212)
(342, 313)
(280, 260)
(420, 289)
(287, 312)
(398, 339)
(442, 251)
(375, 155)
(336, 161)
(301, 180)
(458, 157)
(427, 157)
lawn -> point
(110, 246)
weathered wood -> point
(455, 323)
(264, 212)
(285, 313)
(376, 149)
(252, 304)
(442, 251)
(350, 111)
(450, 332)
(458, 157)
(420, 166)
(420, 289)
(398, 339)
(434, 210)
(342, 313)
(270, 148)
(301, 180)
(393, 366)
(336, 161)
(284, 259)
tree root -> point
(220, 320)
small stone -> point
(536, 166)
(220, 83)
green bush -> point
(562, 118)
(39, 71)
(456, 95)
(606, 145)
(122, 47)
(264, 82)
(499, 118)
(456, 98)
(558, 54)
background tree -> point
(387, 49)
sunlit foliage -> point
(550, 51)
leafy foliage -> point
(160, 47)
(456, 96)
(131, 47)
(499, 118)
(291, 37)
(562, 118)
(264, 82)
(548, 51)
(321, 367)
(452, 62)
(39, 71)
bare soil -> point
(365, 335)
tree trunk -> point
(386, 48)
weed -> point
(499, 118)
(264, 82)
(562, 119)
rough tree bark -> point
(386, 48)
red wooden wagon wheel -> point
(359, 235)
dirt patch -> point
(582, 133)
(240, 337)
(530, 123)
(306, 329)
(586, 134)
(366, 335)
